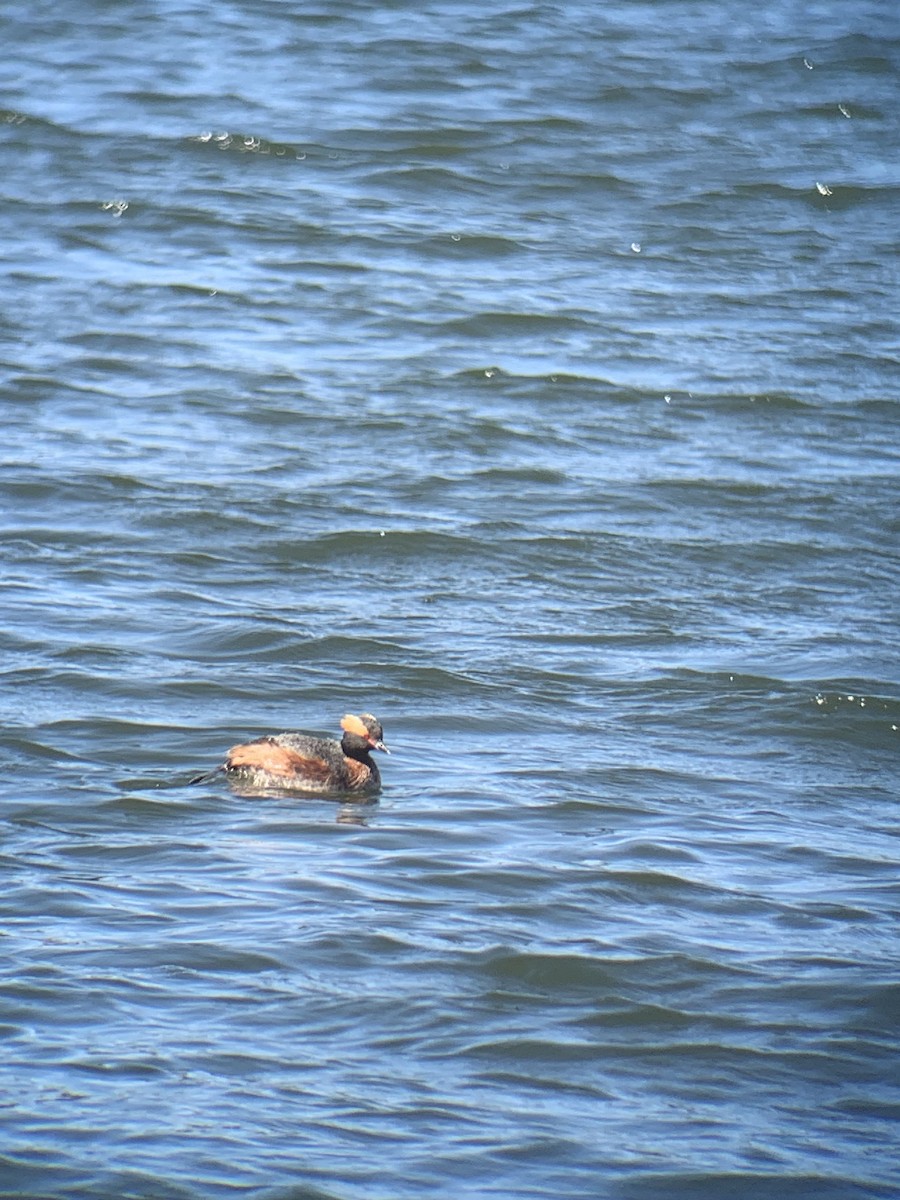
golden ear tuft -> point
(354, 725)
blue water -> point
(524, 375)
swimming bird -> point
(303, 763)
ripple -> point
(692, 1185)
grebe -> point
(303, 763)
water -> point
(527, 376)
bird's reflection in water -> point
(349, 812)
(356, 814)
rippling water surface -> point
(525, 374)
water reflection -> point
(349, 812)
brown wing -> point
(269, 756)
